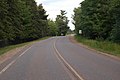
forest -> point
(98, 20)
(24, 20)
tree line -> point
(59, 27)
(23, 20)
(98, 19)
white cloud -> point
(53, 7)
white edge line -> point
(24, 52)
(73, 70)
(10, 64)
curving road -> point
(58, 58)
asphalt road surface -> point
(58, 58)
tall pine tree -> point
(43, 23)
(6, 28)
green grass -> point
(8, 48)
(104, 46)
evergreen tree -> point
(6, 28)
(34, 21)
(14, 15)
(26, 18)
(62, 23)
(43, 23)
(21, 20)
(52, 28)
(115, 10)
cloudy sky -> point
(53, 8)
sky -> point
(53, 8)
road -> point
(57, 58)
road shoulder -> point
(6, 56)
(72, 39)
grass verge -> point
(8, 48)
(103, 46)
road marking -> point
(24, 52)
(7, 67)
(66, 63)
(10, 64)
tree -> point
(3, 19)
(52, 28)
(43, 23)
(115, 10)
(6, 29)
(21, 20)
(94, 18)
(33, 29)
(14, 17)
(26, 19)
(77, 20)
(62, 23)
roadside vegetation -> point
(22, 21)
(98, 20)
(8, 48)
(59, 27)
(104, 46)
(97, 24)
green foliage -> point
(70, 32)
(98, 19)
(104, 46)
(6, 29)
(52, 28)
(77, 19)
(62, 23)
(11, 47)
(26, 18)
(115, 10)
(43, 23)
(21, 20)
